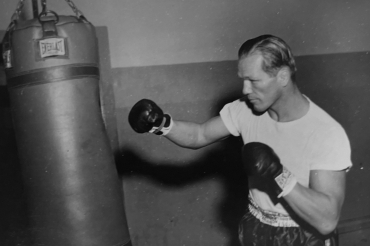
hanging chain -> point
(18, 11)
(20, 5)
(43, 4)
(74, 8)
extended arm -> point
(146, 116)
(194, 136)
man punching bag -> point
(73, 192)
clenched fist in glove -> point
(261, 160)
(146, 116)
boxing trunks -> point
(264, 228)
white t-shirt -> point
(314, 142)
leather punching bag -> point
(73, 192)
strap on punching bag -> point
(54, 74)
(7, 50)
(6, 44)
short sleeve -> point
(233, 115)
(332, 150)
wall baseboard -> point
(356, 224)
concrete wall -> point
(203, 190)
(162, 32)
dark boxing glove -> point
(261, 160)
(146, 116)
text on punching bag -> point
(52, 47)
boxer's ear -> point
(283, 76)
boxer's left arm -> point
(320, 204)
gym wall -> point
(197, 196)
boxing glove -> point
(146, 116)
(260, 160)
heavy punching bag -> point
(73, 192)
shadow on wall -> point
(221, 161)
(224, 164)
(193, 92)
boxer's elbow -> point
(326, 229)
(329, 225)
(328, 218)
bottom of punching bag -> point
(25, 238)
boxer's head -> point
(276, 54)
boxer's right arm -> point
(195, 136)
(146, 116)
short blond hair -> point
(275, 51)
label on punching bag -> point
(52, 47)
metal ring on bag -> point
(45, 13)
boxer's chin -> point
(257, 106)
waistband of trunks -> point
(270, 218)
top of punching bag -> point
(59, 20)
(50, 41)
